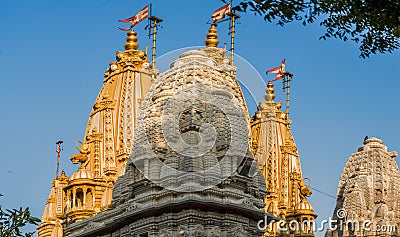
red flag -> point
(278, 70)
(221, 12)
(125, 29)
(279, 76)
(140, 16)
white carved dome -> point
(192, 67)
(188, 121)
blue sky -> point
(53, 55)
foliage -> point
(374, 24)
(11, 222)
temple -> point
(177, 154)
(368, 193)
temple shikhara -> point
(106, 146)
(176, 153)
(277, 157)
(368, 193)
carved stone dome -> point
(193, 116)
(191, 68)
(304, 205)
(81, 174)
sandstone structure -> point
(368, 201)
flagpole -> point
(58, 156)
(154, 23)
(233, 17)
(286, 87)
(149, 23)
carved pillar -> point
(84, 197)
(74, 197)
(68, 203)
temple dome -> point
(81, 174)
(185, 114)
(304, 205)
(192, 56)
(374, 143)
(194, 66)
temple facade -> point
(368, 193)
(177, 154)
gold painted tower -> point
(273, 146)
(106, 145)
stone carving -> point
(238, 231)
(248, 202)
(83, 149)
(199, 231)
(183, 231)
(368, 192)
(164, 233)
(214, 232)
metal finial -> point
(131, 41)
(212, 36)
(270, 96)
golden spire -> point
(270, 96)
(131, 41)
(212, 37)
